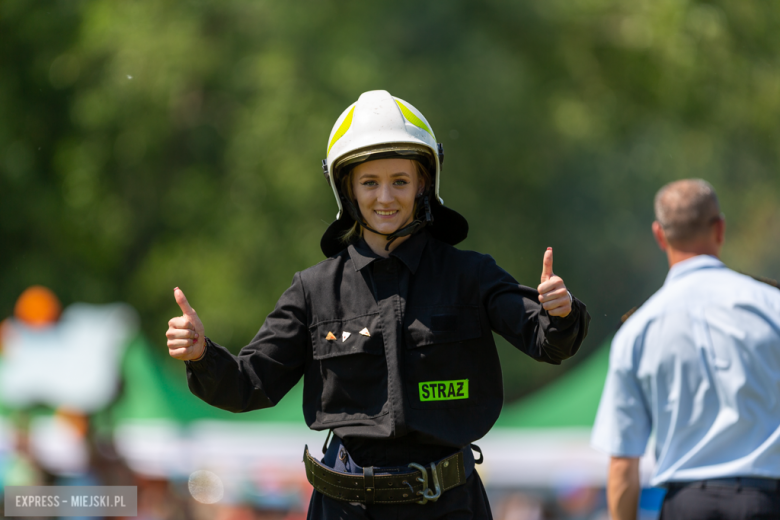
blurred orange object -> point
(37, 307)
(75, 419)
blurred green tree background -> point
(148, 145)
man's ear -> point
(660, 236)
(720, 231)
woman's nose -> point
(385, 194)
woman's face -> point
(385, 190)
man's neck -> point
(676, 256)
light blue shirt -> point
(699, 365)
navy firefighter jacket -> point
(389, 348)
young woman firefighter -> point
(392, 334)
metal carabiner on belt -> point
(426, 491)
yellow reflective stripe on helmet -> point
(342, 129)
(416, 121)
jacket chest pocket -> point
(352, 367)
(442, 358)
(445, 324)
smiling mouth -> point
(385, 213)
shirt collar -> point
(690, 265)
(361, 254)
(409, 252)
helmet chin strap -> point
(421, 220)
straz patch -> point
(444, 390)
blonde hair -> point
(356, 231)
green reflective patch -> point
(444, 390)
(342, 129)
(416, 121)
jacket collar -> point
(409, 252)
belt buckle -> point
(426, 491)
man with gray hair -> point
(698, 365)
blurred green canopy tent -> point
(569, 401)
(153, 390)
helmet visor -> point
(390, 151)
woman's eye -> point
(369, 183)
(400, 182)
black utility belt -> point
(763, 484)
(389, 485)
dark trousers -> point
(713, 502)
(465, 502)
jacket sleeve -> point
(266, 369)
(515, 313)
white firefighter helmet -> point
(378, 126)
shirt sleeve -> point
(515, 313)
(266, 369)
(623, 421)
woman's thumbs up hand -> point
(186, 340)
(553, 296)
